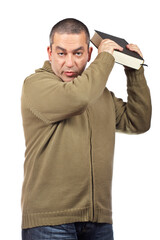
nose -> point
(69, 61)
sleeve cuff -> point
(136, 77)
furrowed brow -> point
(64, 50)
(77, 49)
(60, 48)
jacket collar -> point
(47, 67)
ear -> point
(90, 53)
(49, 53)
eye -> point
(78, 54)
(61, 54)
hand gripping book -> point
(126, 57)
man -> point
(69, 120)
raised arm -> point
(134, 116)
(52, 100)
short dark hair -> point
(69, 26)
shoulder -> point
(41, 77)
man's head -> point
(69, 49)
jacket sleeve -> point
(52, 100)
(134, 116)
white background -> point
(24, 31)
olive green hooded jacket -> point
(69, 132)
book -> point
(126, 57)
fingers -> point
(108, 45)
(134, 48)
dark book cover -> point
(122, 42)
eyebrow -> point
(64, 50)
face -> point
(69, 55)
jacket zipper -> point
(91, 162)
(92, 215)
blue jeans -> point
(71, 231)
